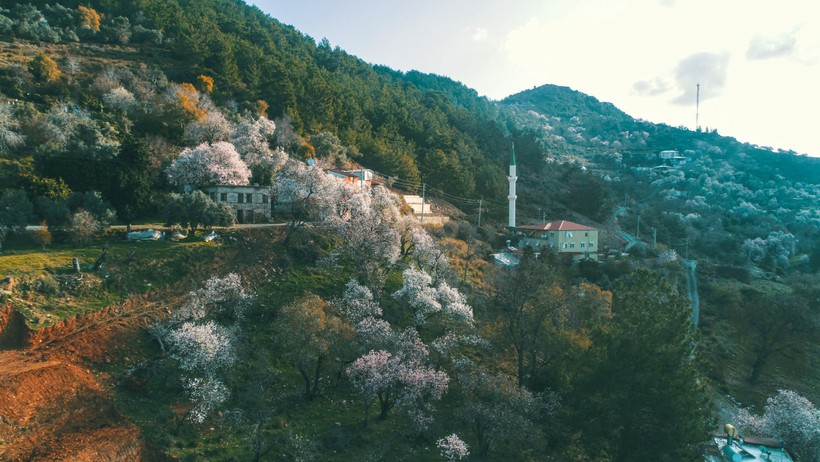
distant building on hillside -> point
(355, 178)
(564, 236)
(672, 157)
(252, 204)
(347, 178)
(418, 205)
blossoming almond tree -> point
(211, 128)
(307, 192)
(427, 300)
(252, 140)
(203, 336)
(453, 448)
(209, 164)
(789, 416)
(396, 379)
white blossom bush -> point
(209, 164)
(209, 129)
(120, 99)
(252, 139)
(427, 300)
(453, 448)
(366, 220)
(206, 394)
(10, 137)
(203, 348)
(225, 295)
(787, 416)
(307, 192)
(203, 336)
(222, 298)
(358, 303)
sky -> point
(757, 61)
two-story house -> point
(564, 236)
(251, 203)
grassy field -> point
(47, 289)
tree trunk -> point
(520, 357)
(306, 378)
(760, 361)
(316, 376)
(386, 404)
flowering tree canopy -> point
(209, 164)
(211, 128)
(203, 338)
(204, 347)
(790, 417)
(308, 191)
(427, 300)
(397, 379)
(252, 139)
(453, 448)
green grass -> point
(43, 301)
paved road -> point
(158, 226)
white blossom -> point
(426, 300)
(206, 347)
(210, 129)
(119, 98)
(453, 448)
(209, 164)
(252, 140)
(205, 394)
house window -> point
(264, 198)
(223, 197)
(569, 234)
(552, 233)
(565, 245)
(586, 234)
(572, 245)
(249, 198)
(591, 244)
(582, 245)
(240, 198)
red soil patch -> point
(55, 405)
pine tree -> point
(643, 397)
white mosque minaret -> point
(512, 179)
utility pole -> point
(423, 192)
(697, 108)
(638, 233)
(479, 212)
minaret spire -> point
(511, 197)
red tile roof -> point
(561, 225)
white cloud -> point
(480, 34)
(653, 87)
(771, 47)
(707, 69)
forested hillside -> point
(352, 332)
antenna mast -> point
(697, 107)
